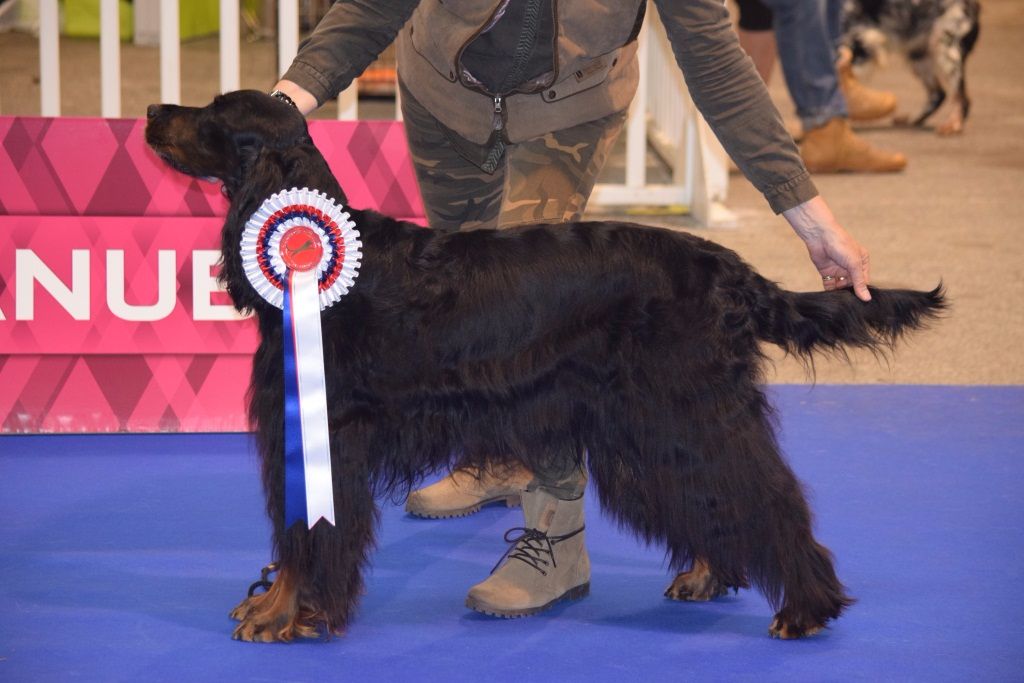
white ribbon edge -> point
(309, 363)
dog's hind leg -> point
(781, 556)
(722, 498)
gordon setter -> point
(632, 349)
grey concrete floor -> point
(954, 215)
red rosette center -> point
(301, 249)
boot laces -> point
(531, 545)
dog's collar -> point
(283, 96)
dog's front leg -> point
(274, 616)
(319, 577)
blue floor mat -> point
(120, 557)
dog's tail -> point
(803, 323)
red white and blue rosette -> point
(301, 253)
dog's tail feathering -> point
(803, 323)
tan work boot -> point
(862, 103)
(547, 563)
(833, 148)
(463, 492)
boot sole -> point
(576, 593)
(511, 501)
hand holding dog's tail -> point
(806, 322)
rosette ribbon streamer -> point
(301, 253)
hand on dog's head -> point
(223, 139)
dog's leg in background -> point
(924, 67)
(698, 584)
(952, 39)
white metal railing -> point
(665, 118)
(662, 116)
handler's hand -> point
(841, 261)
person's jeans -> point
(806, 32)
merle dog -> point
(935, 35)
(636, 346)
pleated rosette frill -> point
(261, 244)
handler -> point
(511, 107)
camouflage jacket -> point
(594, 73)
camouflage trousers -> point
(547, 179)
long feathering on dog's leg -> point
(320, 577)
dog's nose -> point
(152, 110)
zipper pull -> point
(498, 121)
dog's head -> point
(223, 138)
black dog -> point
(637, 346)
(935, 35)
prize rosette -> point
(337, 245)
(301, 252)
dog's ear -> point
(256, 119)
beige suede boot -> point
(862, 103)
(834, 148)
(466, 490)
(547, 563)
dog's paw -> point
(256, 626)
(786, 630)
(696, 585)
(242, 609)
(281, 630)
(274, 616)
(951, 127)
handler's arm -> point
(349, 37)
(734, 100)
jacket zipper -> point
(498, 122)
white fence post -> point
(230, 48)
(170, 53)
(110, 59)
(49, 58)
(348, 102)
(664, 116)
(287, 33)
(636, 126)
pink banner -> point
(102, 167)
(110, 319)
(115, 285)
